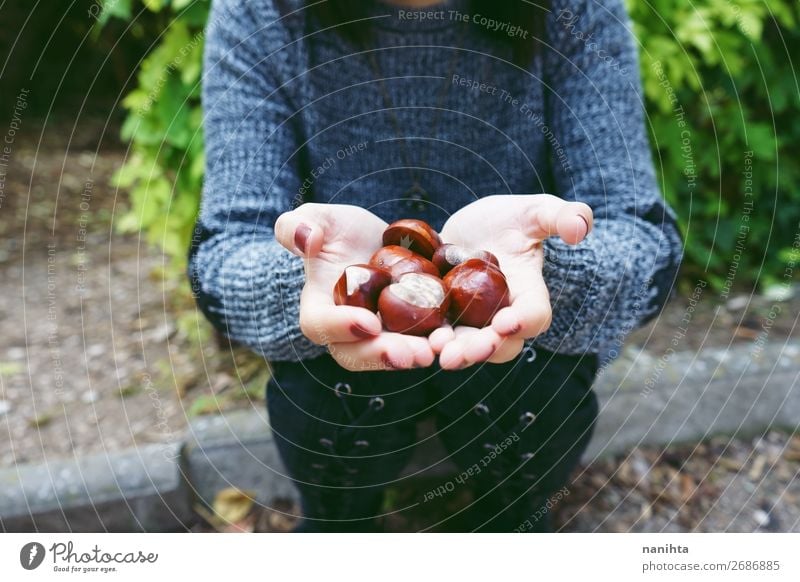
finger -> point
(571, 221)
(388, 351)
(523, 318)
(440, 337)
(452, 356)
(323, 323)
(486, 345)
(472, 346)
(480, 345)
(529, 314)
(508, 350)
(299, 233)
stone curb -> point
(140, 489)
(685, 397)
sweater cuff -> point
(250, 289)
(574, 284)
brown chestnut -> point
(477, 290)
(413, 264)
(387, 256)
(448, 256)
(360, 286)
(413, 234)
(414, 305)
(400, 260)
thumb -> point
(571, 221)
(299, 234)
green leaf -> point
(10, 368)
(761, 139)
(154, 5)
(178, 5)
(751, 25)
(114, 9)
(205, 404)
(130, 171)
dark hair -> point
(528, 15)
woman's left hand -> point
(513, 228)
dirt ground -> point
(92, 355)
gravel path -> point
(720, 486)
(84, 326)
(99, 352)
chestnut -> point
(413, 234)
(477, 290)
(400, 260)
(448, 256)
(415, 305)
(387, 256)
(413, 264)
(360, 286)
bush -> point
(164, 172)
(721, 95)
(718, 83)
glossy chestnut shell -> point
(415, 305)
(387, 256)
(477, 290)
(413, 234)
(399, 261)
(413, 264)
(448, 256)
(360, 286)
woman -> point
(324, 121)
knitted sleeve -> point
(621, 275)
(245, 283)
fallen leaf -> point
(232, 505)
(10, 368)
(746, 333)
(246, 525)
(688, 487)
(792, 455)
(280, 523)
(757, 468)
(646, 512)
(729, 464)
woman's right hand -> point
(330, 237)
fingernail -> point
(387, 362)
(391, 364)
(585, 222)
(514, 330)
(301, 237)
(359, 331)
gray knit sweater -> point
(294, 113)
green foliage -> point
(718, 83)
(163, 175)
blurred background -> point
(103, 353)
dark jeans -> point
(515, 430)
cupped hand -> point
(513, 228)
(330, 237)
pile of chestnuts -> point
(416, 283)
